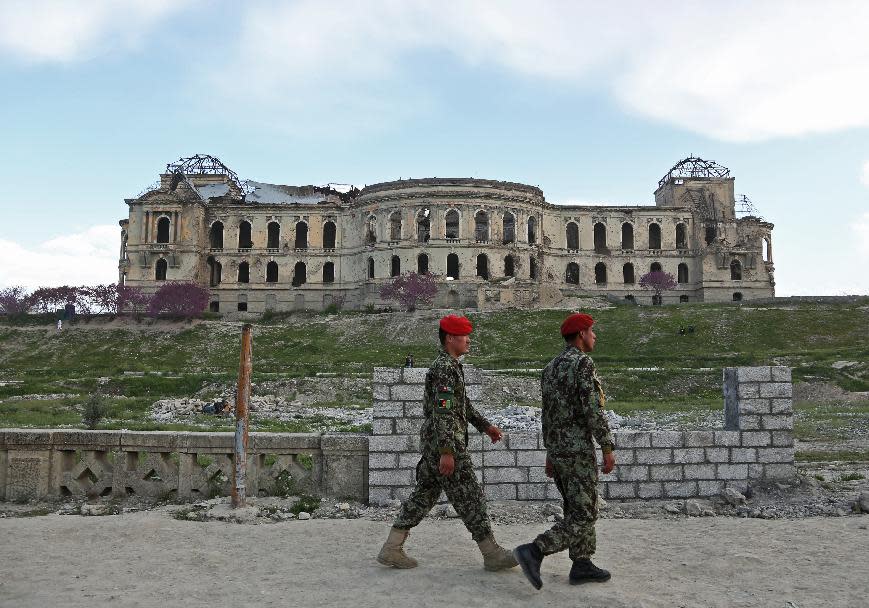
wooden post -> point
(241, 419)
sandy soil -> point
(149, 559)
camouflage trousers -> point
(576, 480)
(461, 488)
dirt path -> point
(149, 559)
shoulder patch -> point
(444, 398)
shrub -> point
(179, 299)
(95, 409)
(410, 289)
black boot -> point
(583, 571)
(530, 557)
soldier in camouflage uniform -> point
(446, 464)
(573, 416)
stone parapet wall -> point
(37, 464)
(756, 443)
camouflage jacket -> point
(447, 409)
(573, 406)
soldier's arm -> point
(443, 384)
(591, 409)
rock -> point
(708, 513)
(601, 503)
(343, 506)
(863, 501)
(672, 509)
(692, 508)
(734, 497)
(551, 519)
(553, 509)
(192, 515)
(90, 510)
(304, 515)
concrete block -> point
(607, 477)
(777, 423)
(488, 446)
(781, 406)
(408, 426)
(740, 485)
(503, 491)
(756, 439)
(414, 443)
(753, 406)
(650, 489)
(477, 460)
(755, 471)
(781, 374)
(379, 496)
(689, 455)
(478, 473)
(386, 375)
(27, 473)
(504, 475)
(552, 492)
(633, 439)
(728, 438)
(523, 441)
(413, 375)
(341, 443)
(407, 392)
(505, 458)
(753, 374)
(531, 491)
(395, 477)
(782, 439)
(749, 423)
(169, 441)
(654, 456)
(738, 455)
(408, 460)
(696, 439)
(475, 441)
(387, 409)
(273, 442)
(747, 391)
(732, 471)
(632, 473)
(380, 392)
(699, 471)
(623, 456)
(668, 439)
(383, 426)
(680, 489)
(775, 455)
(667, 472)
(717, 455)
(621, 490)
(710, 488)
(538, 475)
(383, 461)
(414, 410)
(779, 471)
(90, 440)
(402, 493)
(531, 458)
(390, 443)
(779, 390)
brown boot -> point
(392, 553)
(495, 557)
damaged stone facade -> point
(492, 244)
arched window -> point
(214, 271)
(508, 266)
(423, 226)
(572, 274)
(682, 273)
(370, 268)
(735, 270)
(371, 230)
(395, 226)
(737, 296)
(274, 235)
(422, 263)
(300, 274)
(395, 266)
(301, 235)
(163, 230)
(509, 228)
(681, 236)
(600, 238)
(160, 270)
(272, 272)
(453, 266)
(532, 268)
(600, 273)
(572, 236)
(244, 239)
(711, 233)
(329, 272)
(483, 266)
(532, 230)
(481, 227)
(628, 273)
(244, 273)
(654, 236)
(329, 235)
(452, 221)
(215, 235)
(655, 267)
(627, 236)
(767, 250)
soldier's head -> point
(577, 331)
(454, 334)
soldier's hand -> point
(494, 433)
(609, 462)
(446, 465)
(550, 472)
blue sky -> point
(591, 104)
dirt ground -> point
(150, 559)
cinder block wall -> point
(756, 443)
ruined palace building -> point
(491, 244)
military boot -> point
(583, 571)
(495, 557)
(392, 553)
(530, 557)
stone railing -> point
(756, 443)
(176, 465)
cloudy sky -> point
(591, 101)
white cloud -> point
(63, 31)
(84, 258)
(739, 71)
(864, 176)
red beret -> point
(455, 325)
(575, 323)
